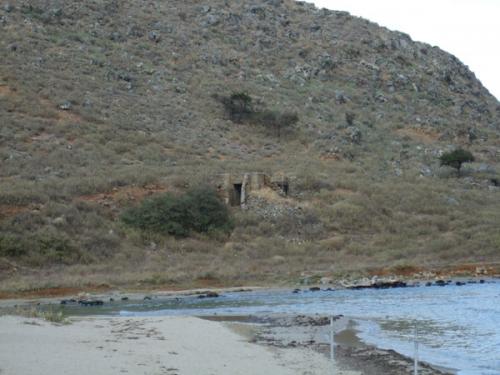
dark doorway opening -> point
(283, 187)
(236, 201)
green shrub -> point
(199, 210)
(12, 246)
(275, 120)
(42, 247)
(456, 158)
(240, 109)
(238, 106)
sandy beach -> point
(152, 346)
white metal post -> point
(332, 346)
(415, 369)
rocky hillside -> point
(105, 102)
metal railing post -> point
(332, 346)
(415, 368)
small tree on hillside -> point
(241, 109)
(456, 158)
(276, 120)
(239, 106)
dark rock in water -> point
(91, 303)
(147, 298)
(389, 284)
(292, 344)
(296, 291)
(304, 320)
(329, 289)
(111, 300)
(314, 289)
(459, 283)
(67, 301)
(428, 283)
(209, 295)
(124, 298)
(381, 285)
(481, 281)
(441, 283)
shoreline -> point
(41, 297)
(351, 353)
(307, 279)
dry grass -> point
(143, 120)
(50, 314)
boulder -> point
(66, 105)
(210, 20)
(441, 283)
(354, 134)
(154, 36)
(340, 97)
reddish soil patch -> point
(465, 270)
(405, 271)
(420, 135)
(53, 292)
(9, 211)
(67, 116)
(120, 196)
(472, 269)
(6, 91)
(330, 157)
(42, 137)
(345, 192)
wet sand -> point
(351, 354)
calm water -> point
(459, 326)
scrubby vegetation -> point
(456, 158)
(240, 109)
(239, 106)
(51, 314)
(40, 248)
(199, 210)
(101, 111)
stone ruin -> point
(236, 188)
